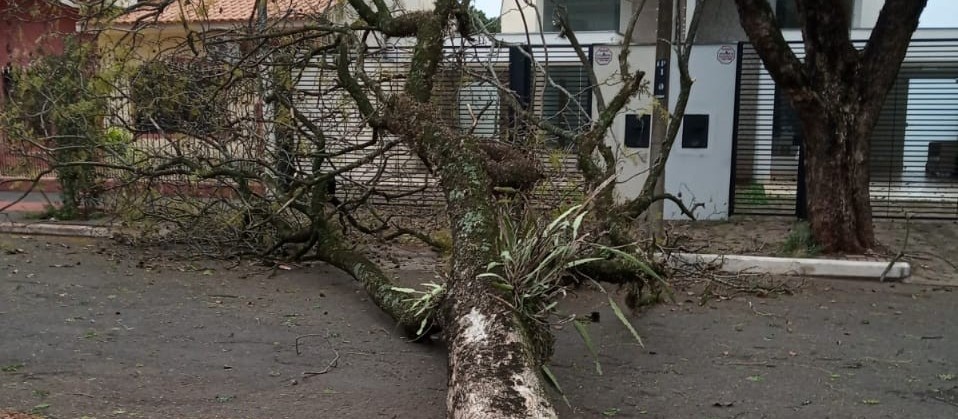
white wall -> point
(703, 175)
(411, 5)
(633, 163)
(513, 12)
(937, 14)
(925, 123)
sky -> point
(491, 7)
(938, 13)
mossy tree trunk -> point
(494, 361)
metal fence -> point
(465, 94)
(468, 94)
(913, 157)
(20, 160)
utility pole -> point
(660, 119)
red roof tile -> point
(219, 11)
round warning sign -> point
(725, 54)
(603, 55)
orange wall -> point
(30, 28)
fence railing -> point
(20, 160)
(913, 159)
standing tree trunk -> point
(837, 178)
(838, 92)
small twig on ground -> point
(760, 313)
(767, 364)
(301, 337)
(944, 400)
(328, 366)
(943, 259)
(728, 285)
(332, 364)
(901, 253)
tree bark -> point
(836, 154)
(495, 356)
(494, 359)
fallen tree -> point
(294, 176)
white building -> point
(742, 125)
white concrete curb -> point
(48, 229)
(795, 266)
(831, 268)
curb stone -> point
(49, 229)
(830, 268)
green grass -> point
(11, 367)
(753, 194)
(800, 242)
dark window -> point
(6, 82)
(786, 128)
(786, 11)
(584, 15)
(571, 106)
(183, 97)
(638, 131)
(695, 131)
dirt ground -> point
(932, 247)
(93, 329)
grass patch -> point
(753, 194)
(11, 367)
(800, 243)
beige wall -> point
(633, 163)
(411, 5)
(517, 16)
(520, 16)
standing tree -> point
(837, 92)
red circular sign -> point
(725, 54)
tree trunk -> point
(838, 91)
(839, 207)
(494, 360)
(494, 355)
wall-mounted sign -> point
(661, 81)
(603, 55)
(725, 54)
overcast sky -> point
(491, 7)
(938, 13)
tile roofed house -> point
(29, 29)
(218, 11)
